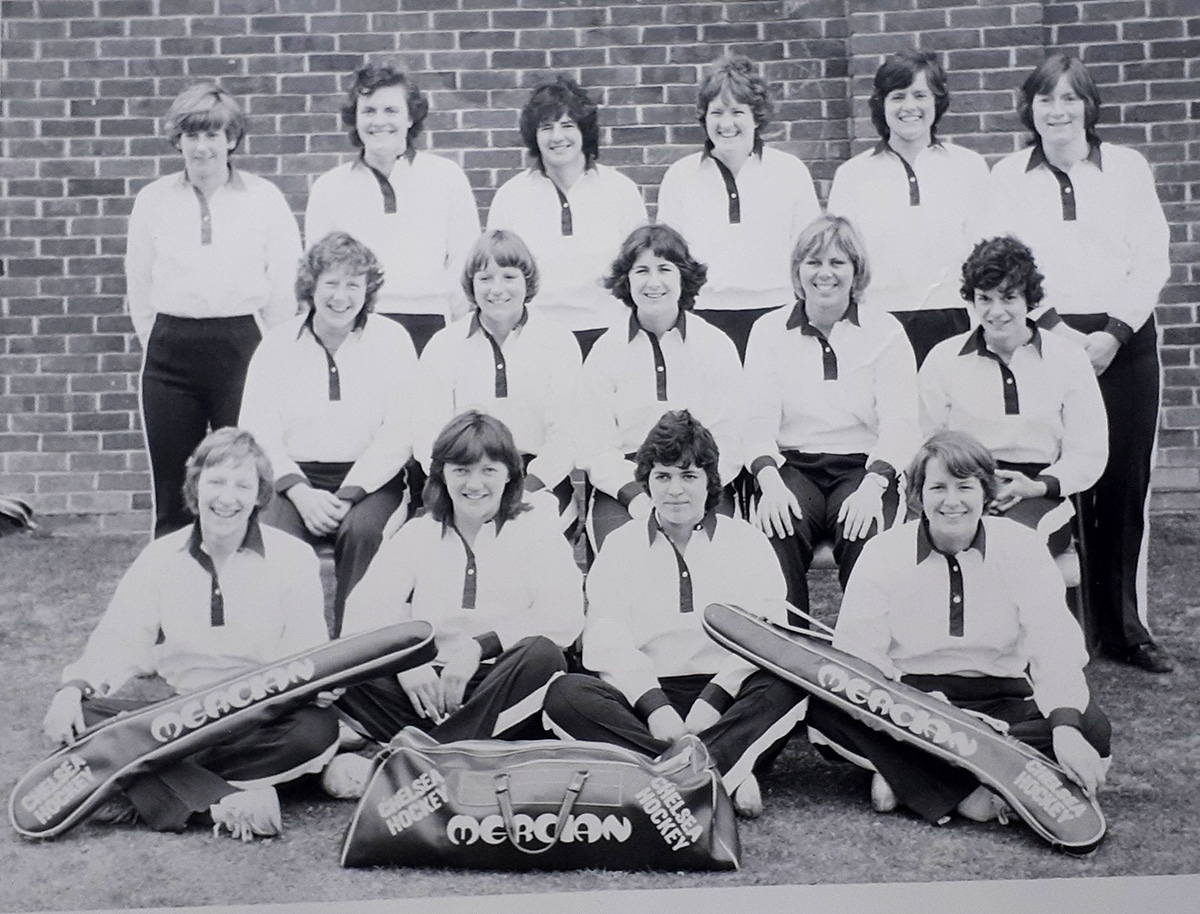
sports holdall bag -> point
(542, 804)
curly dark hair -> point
(549, 102)
(1042, 82)
(1002, 263)
(508, 250)
(372, 77)
(667, 243)
(963, 455)
(679, 440)
(338, 251)
(736, 76)
(899, 72)
(468, 438)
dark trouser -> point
(606, 513)
(503, 699)
(587, 339)
(821, 483)
(925, 329)
(293, 744)
(750, 733)
(357, 538)
(736, 324)
(192, 380)
(1114, 528)
(926, 784)
(421, 327)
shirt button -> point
(333, 369)
(684, 575)
(733, 196)
(499, 366)
(957, 599)
(1008, 380)
(661, 368)
(470, 571)
(1066, 190)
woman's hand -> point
(1014, 487)
(321, 511)
(1079, 759)
(666, 724)
(776, 505)
(1101, 348)
(701, 716)
(460, 667)
(863, 507)
(64, 719)
(424, 690)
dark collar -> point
(448, 525)
(884, 147)
(408, 155)
(360, 321)
(634, 326)
(976, 345)
(234, 180)
(756, 149)
(476, 324)
(1038, 156)
(708, 524)
(539, 168)
(799, 318)
(925, 547)
(253, 540)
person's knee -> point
(540, 655)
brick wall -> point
(84, 82)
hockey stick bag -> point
(1039, 790)
(61, 791)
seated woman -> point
(196, 607)
(1006, 647)
(833, 414)
(663, 358)
(327, 394)
(1030, 397)
(509, 360)
(499, 586)
(661, 676)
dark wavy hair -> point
(369, 79)
(549, 102)
(1042, 82)
(339, 251)
(468, 438)
(204, 107)
(899, 72)
(736, 76)
(840, 232)
(508, 250)
(1002, 263)
(964, 456)
(679, 440)
(666, 243)
(227, 445)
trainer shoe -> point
(346, 776)
(248, 813)
(883, 798)
(747, 799)
(1150, 657)
(349, 739)
(116, 810)
(981, 805)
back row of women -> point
(825, 413)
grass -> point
(818, 828)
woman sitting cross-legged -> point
(498, 583)
(972, 607)
(197, 606)
(660, 675)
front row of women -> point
(501, 588)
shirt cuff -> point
(884, 469)
(490, 647)
(650, 702)
(1118, 328)
(629, 492)
(283, 483)
(761, 463)
(532, 483)
(1066, 717)
(1053, 485)
(352, 494)
(717, 697)
(1048, 319)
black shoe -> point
(1150, 657)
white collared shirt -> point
(241, 261)
(749, 263)
(422, 245)
(605, 206)
(916, 249)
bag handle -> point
(500, 783)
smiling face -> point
(206, 154)
(382, 121)
(475, 490)
(730, 127)
(654, 284)
(1060, 115)
(560, 144)
(910, 112)
(338, 298)
(1002, 313)
(826, 278)
(678, 494)
(500, 295)
(226, 495)
(953, 506)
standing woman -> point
(572, 211)
(210, 257)
(740, 204)
(1090, 213)
(415, 210)
(918, 202)
(832, 388)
